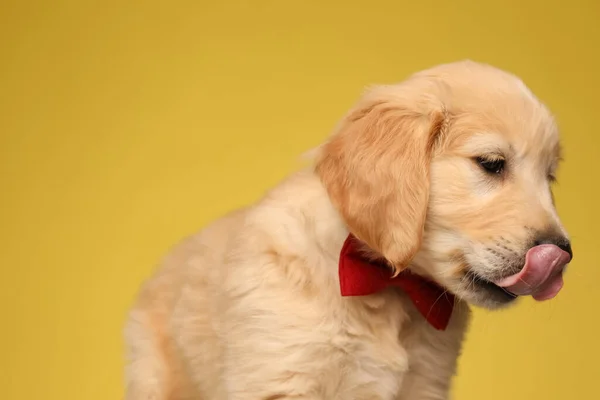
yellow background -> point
(127, 125)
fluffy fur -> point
(249, 308)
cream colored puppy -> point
(352, 279)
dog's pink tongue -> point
(541, 277)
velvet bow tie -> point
(360, 277)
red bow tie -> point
(360, 277)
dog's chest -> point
(393, 353)
(376, 358)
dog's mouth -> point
(479, 284)
(540, 277)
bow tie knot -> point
(360, 276)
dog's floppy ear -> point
(375, 169)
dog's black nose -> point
(558, 240)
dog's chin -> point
(483, 293)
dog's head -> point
(450, 173)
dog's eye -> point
(492, 166)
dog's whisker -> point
(525, 282)
(444, 293)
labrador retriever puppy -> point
(353, 278)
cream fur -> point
(249, 308)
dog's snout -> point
(558, 240)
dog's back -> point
(155, 369)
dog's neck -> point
(322, 227)
(304, 219)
